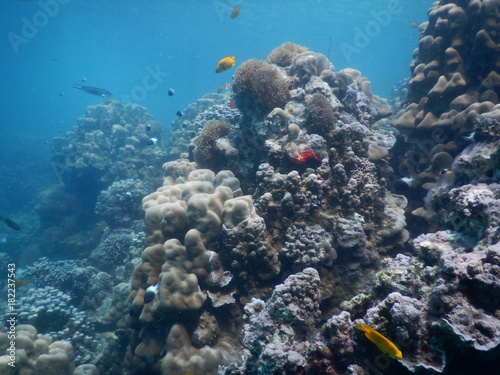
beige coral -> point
(182, 358)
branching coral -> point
(259, 86)
(206, 153)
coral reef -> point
(308, 64)
(88, 286)
(37, 353)
(116, 250)
(110, 142)
(259, 87)
(206, 143)
(51, 312)
(276, 281)
(455, 76)
(190, 222)
(318, 200)
(284, 54)
(277, 332)
(120, 204)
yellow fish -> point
(383, 343)
(225, 64)
(414, 25)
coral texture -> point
(455, 80)
(259, 87)
(283, 54)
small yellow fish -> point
(235, 12)
(414, 25)
(220, 89)
(385, 345)
(225, 64)
(20, 283)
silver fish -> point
(93, 90)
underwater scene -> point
(228, 187)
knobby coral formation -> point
(276, 281)
(111, 141)
(187, 220)
(318, 202)
(455, 80)
(36, 353)
(110, 148)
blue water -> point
(140, 49)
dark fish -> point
(20, 283)
(179, 113)
(148, 127)
(10, 223)
(93, 90)
(171, 92)
(151, 293)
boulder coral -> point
(455, 80)
(37, 353)
(308, 64)
(186, 221)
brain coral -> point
(259, 87)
